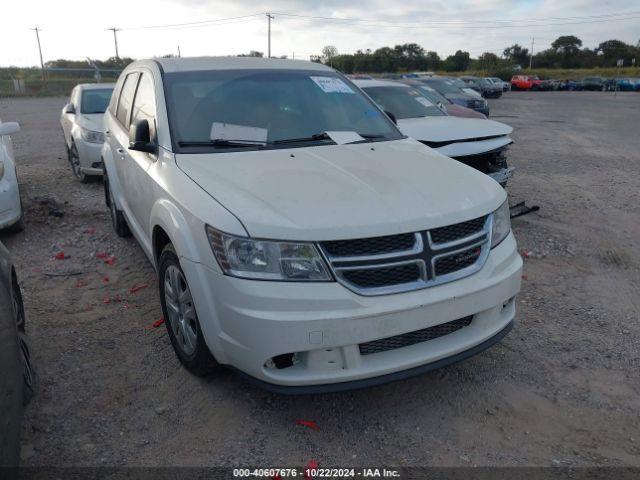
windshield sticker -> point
(424, 101)
(332, 85)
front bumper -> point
(10, 208)
(246, 323)
(90, 156)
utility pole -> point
(531, 57)
(269, 18)
(37, 30)
(179, 54)
(115, 38)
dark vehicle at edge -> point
(16, 372)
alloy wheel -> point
(180, 309)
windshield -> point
(433, 95)
(443, 86)
(289, 104)
(95, 100)
(403, 102)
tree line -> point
(565, 52)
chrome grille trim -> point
(424, 254)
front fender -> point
(181, 231)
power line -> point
(449, 25)
(194, 24)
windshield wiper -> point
(220, 143)
(312, 138)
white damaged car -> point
(299, 237)
(478, 143)
(81, 121)
(10, 204)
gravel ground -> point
(562, 389)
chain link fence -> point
(21, 82)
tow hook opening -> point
(280, 362)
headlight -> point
(1, 169)
(501, 224)
(267, 260)
(91, 136)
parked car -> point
(452, 92)
(446, 105)
(595, 84)
(480, 144)
(81, 121)
(625, 85)
(11, 212)
(299, 237)
(486, 88)
(16, 371)
(472, 90)
(506, 86)
(526, 82)
(570, 85)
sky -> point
(76, 29)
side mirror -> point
(140, 137)
(9, 128)
(69, 108)
(391, 116)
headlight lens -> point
(91, 136)
(1, 169)
(501, 224)
(267, 260)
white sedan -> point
(10, 205)
(81, 121)
(478, 143)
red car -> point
(526, 82)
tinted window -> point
(123, 114)
(403, 102)
(95, 101)
(289, 104)
(144, 106)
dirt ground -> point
(563, 388)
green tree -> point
(457, 62)
(517, 54)
(568, 48)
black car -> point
(454, 94)
(599, 84)
(484, 87)
(16, 372)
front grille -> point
(380, 277)
(412, 338)
(455, 232)
(458, 261)
(370, 246)
(404, 262)
(487, 162)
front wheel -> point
(74, 160)
(181, 318)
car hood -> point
(92, 121)
(460, 111)
(444, 129)
(337, 192)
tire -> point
(117, 217)
(74, 161)
(28, 372)
(181, 318)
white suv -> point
(298, 236)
